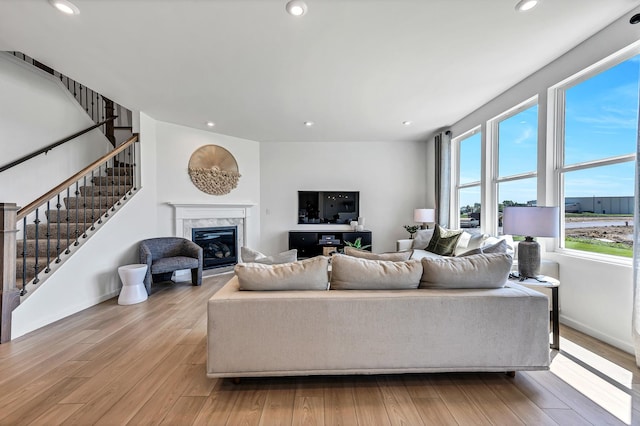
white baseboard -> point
(622, 345)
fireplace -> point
(219, 245)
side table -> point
(133, 289)
(553, 284)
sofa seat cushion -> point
(476, 271)
(308, 274)
(364, 254)
(170, 264)
(352, 273)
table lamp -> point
(530, 222)
(424, 216)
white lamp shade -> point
(424, 215)
(531, 221)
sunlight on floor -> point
(608, 392)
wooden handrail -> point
(53, 145)
(46, 197)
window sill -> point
(604, 258)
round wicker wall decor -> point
(213, 170)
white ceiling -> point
(357, 68)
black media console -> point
(312, 243)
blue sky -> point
(601, 121)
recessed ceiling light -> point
(296, 7)
(524, 5)
(210, 123)
(309, 123)
(65, 6)
(407, 123)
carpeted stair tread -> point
(97, 202)
(101, 191)
(64, 215)
(31, 263)
(120, 171)
(66, 229)
(42, 247)
(112, 180)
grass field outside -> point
(595, 246)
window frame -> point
(456, 186)
(556, 128)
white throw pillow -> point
(352, 273)
(499, 247)
(308, 274)
(489, 241)
(423, 236)
(249, 255)
(477, 271)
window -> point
(516, 140)
(469, 172)
(598, 115)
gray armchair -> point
(163, 256)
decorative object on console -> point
(353, 224)
(444, 241)
(253, 256)
(424, 216)
(213, 170)
(411, 229)
(530, 222)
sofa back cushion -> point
(308, 274)
(352, 273)
(364, 254)
(476, 271)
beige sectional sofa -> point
(327, 332)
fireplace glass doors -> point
(219, 245)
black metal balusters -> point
(67, 251)
(84, 203)
(48, 269)
(119, 176)
(99, 194)
(93, 204)
(106, 187)
(58, 205)
(36, 266)
(113, 185)
(76, 231)
(134, 172)
(24, 257)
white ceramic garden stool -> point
(133, 290)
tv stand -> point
(312, 243)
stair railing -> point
(114, 177)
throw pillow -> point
(476, 271)
(423, 236)
(443, 241)
(363, 254)
(308, 274)
(352, 273)
(249, 255)
(499, 247)
(508, 238)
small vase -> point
(361, 221)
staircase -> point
(67, 221)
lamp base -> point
(528, 258)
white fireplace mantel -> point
(189, 214)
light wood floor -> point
(145, 364)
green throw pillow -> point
(443, 241)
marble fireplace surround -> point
(206, 215)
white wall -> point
(35, 111)
(595, 296)
(391, 178)
(175, 144)
(90, 275)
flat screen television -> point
(328, 207)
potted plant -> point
(357, 244)
(411, 229)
